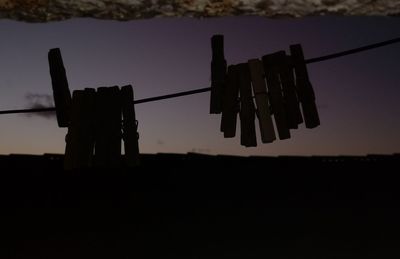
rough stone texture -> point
(49, 10)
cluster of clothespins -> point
(96, 121)
(280, 85)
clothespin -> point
(291, 101)
(108, 127)
(61, 93)
(80, 138)
(218, 73)
(304, 88)
(230, 103)
(261, 96)
(247, 109)
(129, 127)
(275, 94)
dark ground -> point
(195, 206)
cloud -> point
(37, 101)
(200, 150)
(322, 106)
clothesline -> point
(206, 89)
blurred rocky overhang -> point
(54, 10)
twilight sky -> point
(358, 95)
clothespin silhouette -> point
(271, 71)
(230, 103)
(218, 73)
(291, 101)
(261, 96)
(129, 127)
(61, 93)
(304, 88)
(247, 109)
(108, 127)
(80, 138)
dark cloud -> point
(200, 150)
(37, 101)
(323, 106)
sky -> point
(357, 95)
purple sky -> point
(358, 95)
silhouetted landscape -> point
(202, 206)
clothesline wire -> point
(206, 89)
(352, 51)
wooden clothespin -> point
(129, 127)
(261, 96)
(108, 127)
(61, 93)
(291, 101)
(304, 88)
(80, 138)
(218, 73)
(247, 109)
(275, 94)
(230, 103)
